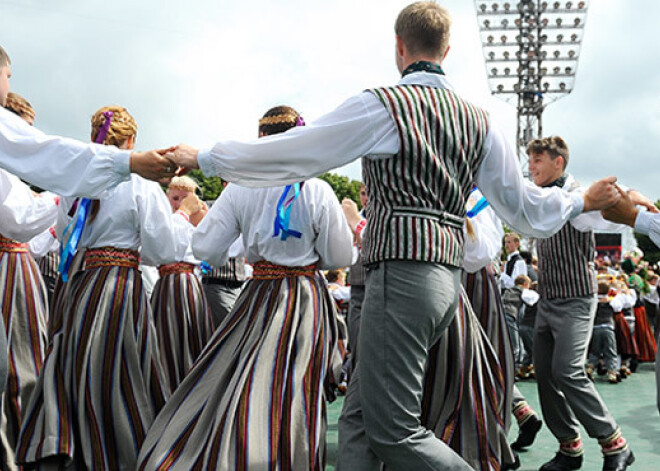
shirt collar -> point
(427, 79)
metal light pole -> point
(531, 49)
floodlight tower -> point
(531, 49)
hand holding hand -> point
(624, 211)
(639, 199)
(186, 156)
(601, 194)
(153, 165)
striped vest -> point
(233, 270)
(566, 263)
(417, 198)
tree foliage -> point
(210, 187)
(343, 187)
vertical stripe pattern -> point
(464, 397)
(183, 323)
(254, 400)
(417, 198)
(24, 312)
(100, 388)
(566, 264)
(233, 270)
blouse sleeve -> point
(334, 241)
(217, 232)
(23, 215)
(64, 166)
(164, 235)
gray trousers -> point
(407, 307)
(561, 340)
(514, 336)
(4, 366)
(603, 342)
(354, 316)
(527, 344)
(221, 300)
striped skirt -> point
(465, 396)
(644, 335)
(183, 320)
(100, 387)
(254, 399)
(25, 313)
(626, 345)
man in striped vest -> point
(564, 322)
(423, 148)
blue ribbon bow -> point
(71, 237)
(479, 205)
(283, 213)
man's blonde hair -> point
(424, 28)
(512, 235)
(183, 183)
(4, 58)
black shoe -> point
(527, 433)
(619, 462)
(514, 465)
(562, 462)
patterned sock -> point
(571, 447)
(522, 412)
(613, 444)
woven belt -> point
(175, 268)
(111, 257)
(268, 271)
(9, 245)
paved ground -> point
(632, 402)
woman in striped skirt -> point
(23, 302)
(181, 314)
(468, 389)
(254, 399)
(100, 386)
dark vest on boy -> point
(511, 263)
(566, 263)
(417, 198)
(604, 314)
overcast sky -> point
(197, 72)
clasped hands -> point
(163, 164)
(615, 204)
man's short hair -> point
(4, 58)
(512, 235)
(424, 28)
(555, 146)
(522, 280)
(19, 105)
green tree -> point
(210, 187)
(343, 187)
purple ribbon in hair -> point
(103, 131)
(300, 121)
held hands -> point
(154, 165)
(624, 211)
(351, 213)
(185, 156)
(601, 194)
(197, 217)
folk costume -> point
(24, 303)
(254, 399)
(102, 382)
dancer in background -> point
(255, 398)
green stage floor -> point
(632, 402)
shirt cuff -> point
(643, 222)
(206, 163)
(578, 204)
(183, 215)
(122, 162)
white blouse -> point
(487, 243)
(316, 213)
(23, 215)
(64, 166)
(135, 215)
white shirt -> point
(479, 251)
(519, 268)
(135, 215)
(649, 224)
(316, 213)
(23, 215)
(593, 220)
(43, 243)
(361, 126)
(64, 166)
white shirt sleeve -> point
(43, 243)
(360, 126)
(23, 215)
(164, 236)
(649, 224)
(530, 297)
(213, 237)
(618, 302)
(334, 241)
(487, 243)
(64, 166)
(523, 206)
